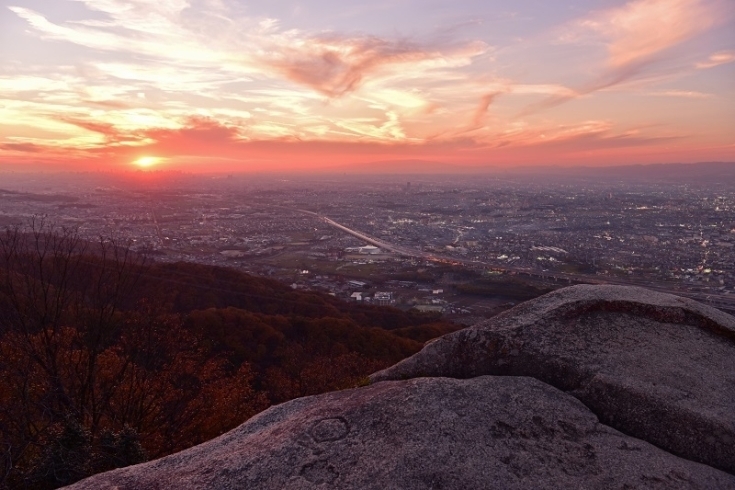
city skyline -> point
(228, 86)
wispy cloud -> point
(642, 30)
(23, 147)
(214, 48)
(483, 107)
(147, 63)
(334, 65)
(687, 94)
(717, 59)
(636, 36)
(200, 77)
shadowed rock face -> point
(652, 365)
(587, 387)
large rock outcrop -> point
(587, 387)
(654, 366)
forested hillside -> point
(108, 359)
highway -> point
(721, 301)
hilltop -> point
(107, 359)
(585, 387)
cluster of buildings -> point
(675, 236)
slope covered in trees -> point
(107, 360)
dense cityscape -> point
(407, 241)
(309, 244)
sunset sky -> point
(236, 85)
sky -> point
(254, 86)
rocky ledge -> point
(586, 387)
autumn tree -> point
(92, 376)
(106, 360)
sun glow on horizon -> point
(221, 85)
(145, 162)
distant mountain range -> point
(666, 172)
(409, 167)
(704, 171)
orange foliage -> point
(105, 361)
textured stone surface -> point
(586, 387)
(652, 365)
(485, 432)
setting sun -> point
(146, 161)
(219, 87)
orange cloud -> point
(22, 147)
(643, 29)
(637, 35)
(204, 144)
(199, 136)
(335, 66)
(485, 102)
(265, 95)
(331, 64)
(110, 132)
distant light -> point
(146, 161)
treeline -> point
(108, 360)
